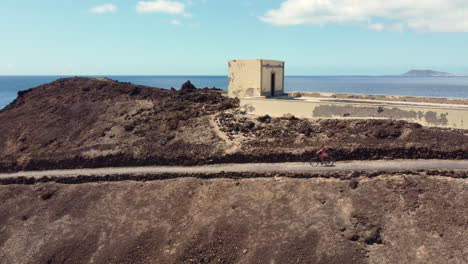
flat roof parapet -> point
(376, 97)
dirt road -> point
(381, 165)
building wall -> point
(244, 78)
(252, 78)
(450, 117)
(268, 67)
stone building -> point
(256, 78)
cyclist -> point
(323, 153)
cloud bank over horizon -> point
(395, 15)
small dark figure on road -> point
(323, 153)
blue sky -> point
(197, 37)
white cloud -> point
(9, 66)
(394, 15)
(175, 22)
(107, 8)
(377, 26)
(161, 6)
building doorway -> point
(273, 85)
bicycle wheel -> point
(314, 162)
(329, 162)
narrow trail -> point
(380, 165)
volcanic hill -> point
(431, 73)
(95, 122)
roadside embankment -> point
(153, 176)
(404, 217)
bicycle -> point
(315, 161)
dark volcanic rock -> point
(293, 139)
(187, 86)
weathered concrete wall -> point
(388, 98)
(450, 117)
(269, 67)
(244, 78)
(252, 78)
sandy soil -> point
(385, 219)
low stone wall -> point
(387, 98)
(427, 115)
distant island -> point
(430, 73)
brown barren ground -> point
(353, 217)
(399, 218)
(89, 122)
(95, 122)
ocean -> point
(454, 87)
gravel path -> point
(381, 165)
